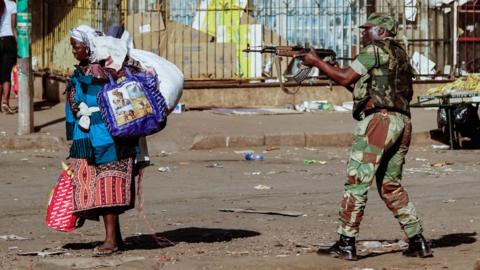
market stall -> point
(457, 104)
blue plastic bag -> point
(134, 107)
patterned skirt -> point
(102, 189)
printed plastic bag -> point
(170, 78)
(133, 108)
(60, 205)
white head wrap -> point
(100, 46)
(86, 34)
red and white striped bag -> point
(60, 205)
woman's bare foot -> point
(105, 249)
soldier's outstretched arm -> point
(343, 76)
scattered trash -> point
(272, 148)
(164, 169)
(43, 156)
(243, 152)
(372, 244)
(253, 173)
(282, 255)
(402, 244)
(450, 201)
(214, 165)
(184, 163)
(266, 212)
(348, 105)
(420, 159)
(254, 111)
(441, 164)
(314, 105)
(262, 187)
(313, 161)
(440, 146)
(164, 153)
(253, 156)
(13, 237)
(24, 159)
(12, 248)
(241, 253)
(175, 224)
(179, 108)
(340, 108)
(43, 253)
(164, 258)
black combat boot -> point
(344, 248)
(418, 247)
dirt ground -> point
(182, 203)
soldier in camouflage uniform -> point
(383, 90)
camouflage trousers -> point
(381, 143)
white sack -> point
(109, 47)
(170, 78)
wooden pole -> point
(25, 82)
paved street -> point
(182, 203)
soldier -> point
(382, 76)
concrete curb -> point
(212, 141)
(33, 141)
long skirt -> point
(102, 189)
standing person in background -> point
(382, 75)
(8, 51)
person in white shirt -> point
(8, 51)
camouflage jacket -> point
(386, 81)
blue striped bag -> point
(134, 107)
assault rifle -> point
(293, 51)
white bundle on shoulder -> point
(114, 50)
(170, 78)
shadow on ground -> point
(449, 240)
(453, 240)
(38, 128)
(173, 237)
(44, 105)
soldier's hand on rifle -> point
(309, 59)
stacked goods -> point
(470, 84)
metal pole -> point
(25, 82)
